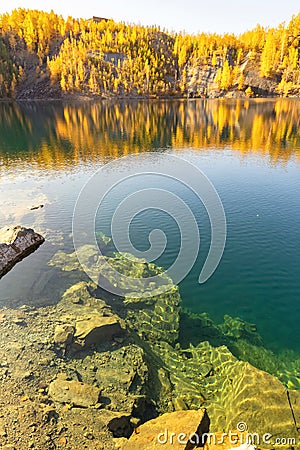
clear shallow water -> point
(250, 150)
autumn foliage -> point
(115, 59)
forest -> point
(43, 55)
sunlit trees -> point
(268, 55)
(108, 58)
(225, 76)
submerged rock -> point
(153, 318)
(16, 243)
(151, 368)
(95, 328)
(233, 391)
(74, 392)
(237, 328)
(255, 398)
(294, 400)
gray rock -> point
(16, 243)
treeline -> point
(114, 59)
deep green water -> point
(250, 150)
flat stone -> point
(74, 392)
(16, 243)
(171, 431)
(96, 328)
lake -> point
(249, 149)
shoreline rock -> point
(15, 244)
(175, 430)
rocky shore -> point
(16, 243)
(101, 372)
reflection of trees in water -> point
(55, 134)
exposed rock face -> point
(176, 430)
(201, 81)
(15, 244)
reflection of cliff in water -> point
(56, 134)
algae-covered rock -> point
(255, 398)
(69, 261)
(197, 327)
(152, 318)
(243, 341)
(285, 366)
(158, 321)
(183, 370)
(239, 329)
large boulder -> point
(256, 399)
(176, 430)
(16, 243)
(235, 393)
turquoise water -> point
(250, 150)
